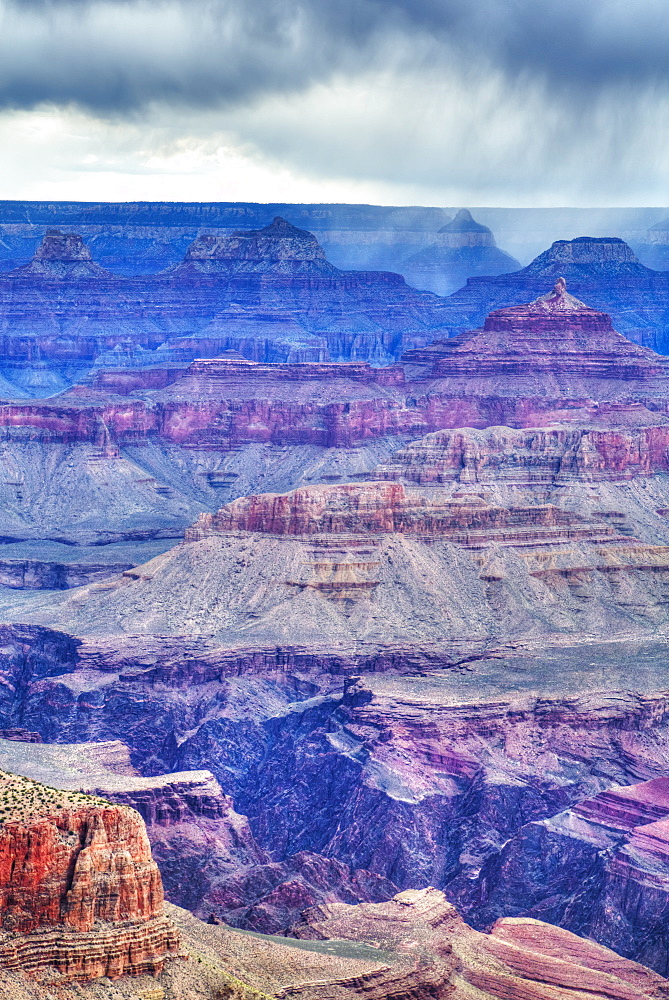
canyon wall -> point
(78, 887)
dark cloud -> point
(121, 55)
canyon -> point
(333, 634)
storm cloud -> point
(441, 101)
(120, 55)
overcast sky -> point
(478, 102)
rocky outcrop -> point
(462, 248)
(78, 887)
(279, 248)
(206, 853)
(603, 272)
(377, 563)
(519, 960)
(554, 335)
(59, 256)
(269, 293)
(535, 457)
(443, 753)
(377, 508)
(600, 868)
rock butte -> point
(79, 890)
(461, 248)
(554, 335)
(602, 271)
(377, 563)
(270, 293)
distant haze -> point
(433, 102)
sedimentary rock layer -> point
(532, 456)
(461, 249)
(78, 887)
(600, 868)
(602, 271)
(380, 508)
(270, 292)
(519, 960)
(375, 563)
(554, 335)
(208, 858)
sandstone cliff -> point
(208, 858)
(78, 887)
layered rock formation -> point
(443, 753)
(602, 271)
(375, 563)
(554, 335)
(436, 954)
(270, 293)
(79, 890)
(59, 256)
(364, 665)
(379, 508)
(142, 237)
(415, 945)
(278, 249)
(600, 868)
(534, 457)
(462, 248)
(208, 858)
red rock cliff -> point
(79, 889)
(388, 507)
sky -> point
(433, 102)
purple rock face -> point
(279, 248)
(415, 773)
(292, 303)
(603, 272)
(414, 632)
(61, 256)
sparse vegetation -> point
(232, 988)
(22, 799)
